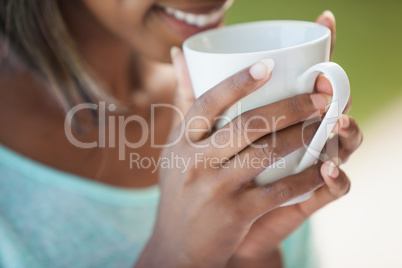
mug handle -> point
(341, 91)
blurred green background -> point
(368, 46)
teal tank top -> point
(49, 218)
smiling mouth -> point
(197, 18)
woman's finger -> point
(327, 18)
(284, 220)
(265, 198)
(347, 141)
(269, 149)
(254, 124)
(218, 99)
(336, 185)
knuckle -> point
(303, 106)
(255, 122)
(294, 106)
(204, 104)
(211, 189)
(221, 138)
(234, 218)
(281, 193)
(235, 84)
(240, 125)
(263, 150)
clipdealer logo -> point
(108, 134)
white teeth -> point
(199, 20)
(190, 18)
(169, 10)
(179, 14)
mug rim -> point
(327, 33)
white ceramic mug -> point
(301, 52)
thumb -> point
(184, 96)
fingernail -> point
(345, 122)
(333, 171)
(174, 51)
(320, 101)
(329, 14)
(332, 135)
(262, 69)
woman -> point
(93, 205)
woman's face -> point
(152, 27)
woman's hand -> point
(208, 207)
(211, 214)
(260, 245)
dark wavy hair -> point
(34, 32)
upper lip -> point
(202, 8)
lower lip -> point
(182, 27)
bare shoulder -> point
(20, 89)
(26, 107)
